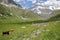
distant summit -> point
(8, 2)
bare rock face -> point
(8, 2)
(0, 0)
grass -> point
(18, 30)
(50, 32)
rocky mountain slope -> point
(44, 8)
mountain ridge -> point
(9, 3)
(36, 7)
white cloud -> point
(52, 2)
(34, 1)
(17, 0)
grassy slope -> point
(52, 28)
(17, 14)
(49, 30)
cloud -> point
(25, 3)
(52, 2)
(16, 0)
(33, 1)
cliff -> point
(8, 2)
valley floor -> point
(32, 31)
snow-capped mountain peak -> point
(45, 7)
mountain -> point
(45, 8)
(40, 10)
(15, 14)
(9, 3)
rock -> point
(1, 15)
(57, 21)
(44, 25)
(26, 38)
(11, 14)
(23, 27)
(11, 39)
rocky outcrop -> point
(8, 2)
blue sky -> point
(27, 3)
